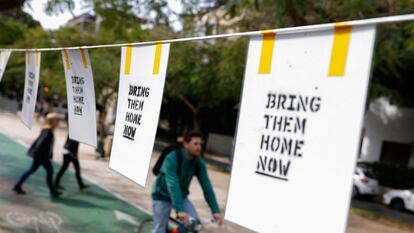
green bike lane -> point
(91, 210)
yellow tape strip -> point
(65, 52)
(340, 46)
(128, 59)
(268, 43)
(85, 63)
(28, 57)
(37, 57)
(157, 58)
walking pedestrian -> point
(42, 152)
(70, 154)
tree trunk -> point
(102, 128)
(194, 109)
(196, 120)
(294, 15)
(10, 4)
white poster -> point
(81, 96)
(4, 57)
(299, 130)
(30, 87)
(141, 85)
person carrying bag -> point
(42, 152)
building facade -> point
(388, 134)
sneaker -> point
(82, 187)
(18, 190)
(55, 193)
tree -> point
(392, 74)
(202, 75)
(105, 62)
(13, 26)
(200, 83)
(10, 4)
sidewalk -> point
(97, 171)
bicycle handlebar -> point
(194, 225)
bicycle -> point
(177, 226)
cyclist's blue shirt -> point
(172, 183)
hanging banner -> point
(299, 129)
(30, 87)
(81, 96)
(141, 85)
(4, 57)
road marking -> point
(21, 142)
(121, 216)
(50, 219)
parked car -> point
(399, 199)
(364, 183)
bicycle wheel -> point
(145, 226)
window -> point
(396, 153)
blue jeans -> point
(35, 165)
(161, 211)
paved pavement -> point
(98, 201)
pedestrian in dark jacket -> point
(42, 152)
(70, 154)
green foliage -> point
(105, 69)
(206, 73)
(14, 26)
(393, 72)
(105, 62)
(51, 74)
(59, 6)
(10, 30)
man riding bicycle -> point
(170, 189)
